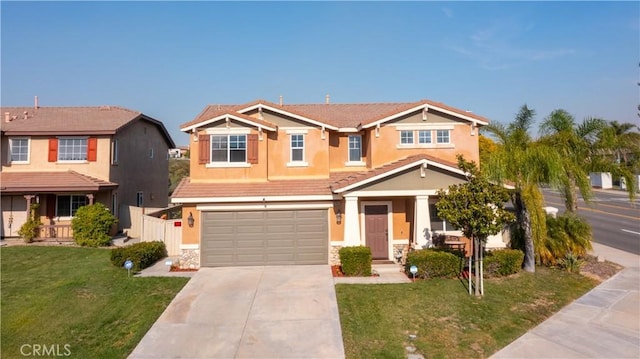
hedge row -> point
(503, 262)
(356, 261)
(142, 254)
(434, 263)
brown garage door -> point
(264, 238)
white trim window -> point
(406, 137)
(67, 206)
(355, 148)
(140, 199)
(19, 150)
(72, 149)
(443, 136)
(297, 148)
(114, 152)
(228, 148)
(424, 137)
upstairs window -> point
(228, 148)
(442, 136)
(424, 136)
(406, 137)
(19, 150)
(67, 206)
(72, 149)
(297, 148)
(355, 148)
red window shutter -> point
(204, 148)
(252, 149)
(53, 150)
(51, 205)
(92, 149)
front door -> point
(377, 230)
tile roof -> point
(338, 115)
(94, 120)
(50, 182)
(298, 187)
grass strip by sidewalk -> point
(449, 323)
(57, 296)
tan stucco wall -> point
(339, 152)
(39, 158)
(190, 235)
(435, 178)
(316, 154)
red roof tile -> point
(50, 182)
(338, 115)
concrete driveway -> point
(250, 312)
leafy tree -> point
(574, 144)
(178, 169)
(487, 148)
(525, 164)
(477, 208)
(91, 225)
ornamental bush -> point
(91, 225)
(503, 262)
(143, 254)
(433, 263)
(29, 230)
(356, 261)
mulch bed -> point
(600, 271)
(336, 270)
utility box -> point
(601, 180)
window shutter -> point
(92, 149)
(204, 148)
(252, 149)
(51, 205)
(53, 150)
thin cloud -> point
(493, 47)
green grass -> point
(74, 296)
(449, 323)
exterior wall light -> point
(338, 216)
(190, 220)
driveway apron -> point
(249, 312)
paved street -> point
(614, 219)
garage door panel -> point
(264, 237)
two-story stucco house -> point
(292, 184)
(67, 157)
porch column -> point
(29, 197)
(90, 198)
(351, 222)
(421, 223)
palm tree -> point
(618, 147)
(525, 164)
(574, 144)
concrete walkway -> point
(604, 323)
(249, 312)
(387, 273)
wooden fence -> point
(147, 225)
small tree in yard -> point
(477, 208)
(91, 225)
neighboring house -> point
(292, 184)
(67, 157)
(178, 152)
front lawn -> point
(74, 300)
(448, 322)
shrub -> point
(356, 261)
(91, 225)
(142, 254)
(29, 230)
(503, 262)
(566, 233)
(571, 263)
(433, 263)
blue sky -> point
(170, 59)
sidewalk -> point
(387, 273)
(604, 323)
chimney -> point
(280, 100)
(326, 99)
(7, 117)
(35, 102)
